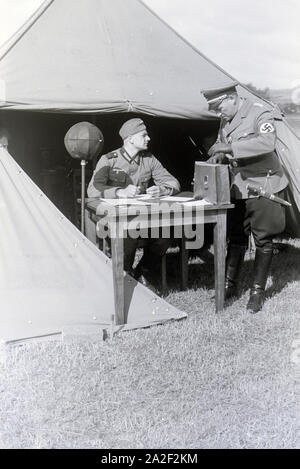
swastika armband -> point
(266, 128)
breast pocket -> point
(117, 177)
(145, 177)
(144, 181)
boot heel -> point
(256, 300)
(262, 264)
(234, 260)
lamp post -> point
(83, 141)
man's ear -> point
(127, 140)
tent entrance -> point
(37, 144)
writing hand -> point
(129, 192)
(153, 191)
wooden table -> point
(118, 219)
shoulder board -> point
(112, 154)
(260, 109)
(145, 154)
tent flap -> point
(51, 275)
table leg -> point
(220, 258)
(117, 257)
(90, 227)
(184, 259)
(105, 246)
(164, 274)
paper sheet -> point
(168, 198)
(147, 200)
(129, 201)
(197, 203)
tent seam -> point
(15, 38)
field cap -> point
(131, 127)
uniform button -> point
(234, 164)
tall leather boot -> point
(262, 264)
(141, 273)
(234, 260)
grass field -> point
(210, 381)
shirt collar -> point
(245, 107)
(242, 112)
(128, 158)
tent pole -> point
(83, 163)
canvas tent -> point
(51, 276)
(109, 58)
(104, 56)
(105, 60)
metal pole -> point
(83, 163)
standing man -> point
(127, 172)
(246, 141)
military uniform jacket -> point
(252, 135)
(117, 170)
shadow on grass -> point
(200, 270)
(284, 269)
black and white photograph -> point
(149, 228)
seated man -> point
(127, 172)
